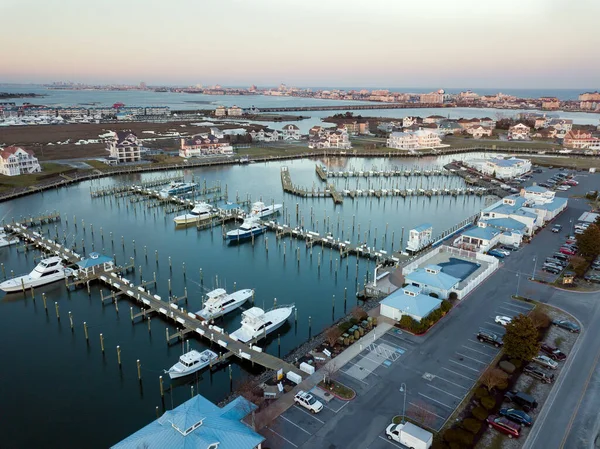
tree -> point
(540, 319)
(580, 265)
(521, 338)
(421, 412)
(332, 334)
(329, 371)
(492, 378)
(358, 313)
(589, 242)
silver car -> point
(545, 361)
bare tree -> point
(492, 378)
(540, 318)
(329, 372)
(358, 313)
(332, 334)
(421, 412)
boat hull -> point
(242, 235)
(190, 219)
(15, 285)
(239, 301)
(244, 335)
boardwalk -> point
(324, 173)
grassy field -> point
(568, 162)
(48, 168)
(461, 142)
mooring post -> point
(309, 327)
(139, 370)
(102, 343)
(85, 332)
(162, 391)
(119, 356)
(57, 314)
(71, 320)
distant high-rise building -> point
(143, 85)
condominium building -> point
(124, 147)
(16, 161)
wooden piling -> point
(85, 331)
(119, 356)
(102, 343)
(57, 313)
(71, 320)
(162, 391)
(139, 370)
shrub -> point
(518, 363)
(480, 413)
(406, 322)
(453, 296)
(488, 402)
(459, 436)
(439, 444)
(345, 326)
(446, 305)
(472, 425)
(481, 392)
(456, 445)
(502, 385)
(507, 367)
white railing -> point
(480, 277)
(409, 268)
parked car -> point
(572, 241)
(553, 352)
(543, 184)
(518, 416)
(539, 374)
(503, 320)
(579, 231)
(308, 401)
(545, 361)
(551, 270)
(552, 265)
(556, 228)
(560, 263)
(568, 325)
(567, 250)
(487, 337)
(504, 425)
(503, 251)
(595, 278)
(563, 188)
(497, 254)
(526, 401)
(572, 182)
(510, 247)
(560, 256)
(538, 170)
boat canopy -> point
(94, 260)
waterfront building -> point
(409, 121)
(519, 132)
(354, 127)
(419, 237)
(487, 122)
(202, 145)
(220, 111)
(403, 141)
(124, 146)
(479, 131)
(437, 119)
(427, 138)
(480, 238)
(550, 103)
(291, 132)
(157, 110)
(546, 133)
(537, 194)
(540, 122)
(580, 140)
(433, 97)
(448, 127)
(512, 230)
(549, 210)
(264, 135)
(16, 161)
(408, 301)
(328, 138)
(198, 424)
(468, 97)
(562, 126)
(217, 132)
(432, 280)
(72, 112)
(589, 101)
(502, 168)
(234, 111)
(466, 123)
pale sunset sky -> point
(387, 43)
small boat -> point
(261, 210)
(251, 226)
(219, 303)
(177, 188)
(201, 211)
(7, 240)
(258, 323)
(244, 160)
(190, 362)
(47, 271)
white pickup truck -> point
(308, 401)
(410, 435)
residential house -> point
(428, 138)
(403, 141)
(545, 133)
(540, 122)
(466, 123)
(234, 111)
(16, 161)
(562, 126)
(265, 135)
(487, 122)
(198, 424)
(432, 281)
(328, 138)
(449, 127)
(217, 132)
(202, 145)
(221, 111)
(519, 132)
(315, 131)
(580, 140)
(388, 127)
(124, 146)
(291, 132)
(355, 127)
(479, 131)
(480, 238)
(502, 168)
(550, 103)
(437, 119)
(407, 122)
(408, 301)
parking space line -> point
(281, 436)
(471, 358)
(392, 443)
(425, 410)
(450, 382)
(475, 350)
(465, 366)
(367, 370)
(480, 344)
(494, 324)
(294, 424)
(511, 310)
(435, 400)
(355, 378)
(374, 361)
(392, 344)
(517, 305)
(444, 391)
(312, 415)
(458, 374)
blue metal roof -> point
(94, 260)
(423, 227)
(481, 233)
(506, 224)
(420, 305)
(196, 424)
(439, 280)
(536, 189)
(506, 162)
(557, 203)
(228, 206)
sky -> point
(339, 43)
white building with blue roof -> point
(198, 424)
(419, 237)
(506, 168)
(431, 279)
(479, 238)
(409, 301)
(512, 207)
(548, 210)
(537, 193)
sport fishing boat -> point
(201, 211)
(177, 188)
(47, 271)
(219, 303)
(251, 226)
(190, 362)
(258, 323)
(261, 210)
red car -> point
(570, 241)
(567, 251)
(504, 425)
(553, 352)
(572, 182)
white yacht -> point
(7, 240)
(257, 323)
(47, 271)
(219, 303)
(261, 210)
(177, 188)
(251, 226)
(201, 211)
(190, 362)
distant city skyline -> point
(541, 44)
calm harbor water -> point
(78, 397)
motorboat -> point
(261, 210)
(7, 240)
(201, 211)
(257, 323)
(47, 271)
(190, 362)
(177, 188)
(250, 227)
(219, 302)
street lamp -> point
(534, 267)
(571, 222)
(403, 390)
(518, 281)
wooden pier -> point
(324, 173)
(130, 188)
